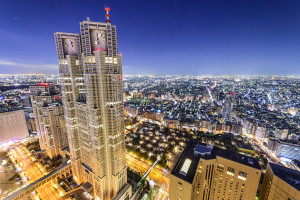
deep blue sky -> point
(161, 36)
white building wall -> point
(12, 125)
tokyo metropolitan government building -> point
(90, 69)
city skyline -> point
(228, 38)
(89, 131)
(241, 126)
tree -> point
(163, 162)
(153, 159)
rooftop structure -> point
(204, 172)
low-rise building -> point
(8, 128)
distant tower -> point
(227, 108)
(91, 77)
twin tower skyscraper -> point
(90, 69)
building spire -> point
(107, 9)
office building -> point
(41, 87)
(90, 68)
(32, 125)
(281, 133)
(49, 119)
(280, 183)
(8, 128)
(204, 172)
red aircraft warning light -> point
(44, 84)
(107, 9)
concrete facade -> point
(8, 128)
(90, 68)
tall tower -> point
(91, 77)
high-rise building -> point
(49, 118)
(280, 183)
(90, 68)
(227, 108)
(204, 172)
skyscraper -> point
(90, 68)
(206, 172)
(49, 118)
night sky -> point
(200, 37)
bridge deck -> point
(17, 193)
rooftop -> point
(185, 170)
(10, 109)
(290, 176)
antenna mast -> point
(107, 14)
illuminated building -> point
(8, 128)
(227, 108)
(206, 172)
(280, 183)
(261, 132)
(49, 118)
(90, 68)
(32, 125)
(281, 133)
(40, 88)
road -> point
(259, 146)
(32, 171)
(49, 191)
(157, 174)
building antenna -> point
(107, 14)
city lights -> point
(170, 119)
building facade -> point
(205, 172)
(49, 119)
(8, 128)
(90, 68)
(40, 88)
(280, 183)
